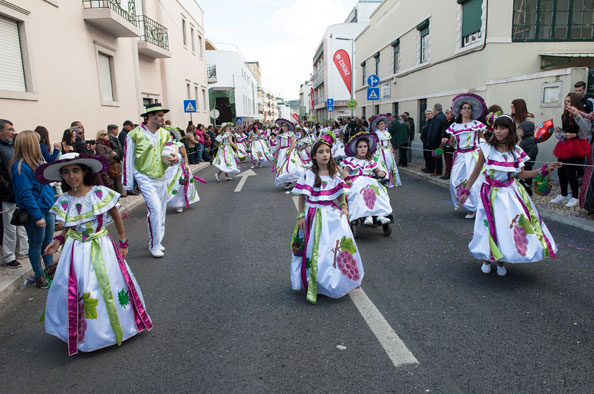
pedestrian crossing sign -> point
(189, 106)
(372, 94)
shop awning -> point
(548, 60)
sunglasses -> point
(467, 108)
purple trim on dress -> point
(514, 164)
(315, 193)
(72, 307)
(326, 203)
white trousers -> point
(12, 234)
(154, 192)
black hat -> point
(155, 107)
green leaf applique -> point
(375, 189)
(123, 298)
(307, 263)
(525, 223)
(89, 306)
(348, 245)
(486, 223)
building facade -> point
(500, 50)
(101, 62)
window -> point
(196, 96)
(12, 75)
(193, 40)
(553, 20)
(396, 56)
(204, 100)
(362, 111)
(188, 91)
(200, 45)
(472, 21)
(147, 101)
(395, 108)
(423, 29)
(363, 73)
(185, 38)
(105, 77)
(422, 109)
(377, 109)
(377, 62)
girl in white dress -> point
(507, 227)
(304, 144)
(289, 165)
(385, 154)
(241, 143)
(325, 257)
(94, 300)
(181, 185)
(226, 159)
(259, 152)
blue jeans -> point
(199, 149)
(39, 238)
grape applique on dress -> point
(521, 228)
(99, 194)
(78, 207)
(64, 204)
(344, 258)
(369, 195)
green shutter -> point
(472, 11)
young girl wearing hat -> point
(385, 154)
(226, 160)
(289, 165)
(507, 227)
(464, 136)
(241, 143)
(94, 300)
(304, 146)
(368, 197)
(325, 257)
(259, 152)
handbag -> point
(20, 217)
(114, 170)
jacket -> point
(27, 188)
(434, 131)
(528, 144)
(399, 132)
(6, 192)
(117, 147)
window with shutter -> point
(12, 74)
(105, 77)
(472, 12)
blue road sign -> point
(189, 106)
(238, 120)
(373, 80)
(330, 105)
(373, 94)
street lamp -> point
(352, 65)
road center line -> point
(385, 334)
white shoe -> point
(486, 268)
(368, 221)
(161, 248)
(157, 253)
(252, 166)
(288, 186)
(573, 202)
(217, 177)
(179, 209)
(470, 215)
(501, 271)
(383, 219)
(259, 165)
(558, 199)
(227, 178)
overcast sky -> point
(282, 35)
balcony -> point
(211, 73)
(154, 39)
(109, 16)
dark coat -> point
(528, 144)
(117, 147)
(435, 130)
(399, 132)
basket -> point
(542, 185)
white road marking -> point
(387, 337)
(385, 334)
(244, 175)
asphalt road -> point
(226, 321)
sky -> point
(283, 35)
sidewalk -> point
(572, 216)
(11, 279)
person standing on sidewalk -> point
(143, 163)
(12, 233)
(113, 132)
(433, 141)
(448, 151)
(400, 139)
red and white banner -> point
(311, 94)
(343, 64)
(296, 117)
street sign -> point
(373, 94)
(373, 80)
(330, 105)
(215, 113)
(352, 104)
(238, 120)
(189, 106)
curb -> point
(12, 279)
(584, 224)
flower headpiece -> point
(328, 138)
(491, 117)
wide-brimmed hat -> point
(50, 172)
(351, 147)
(156, 107)
(259, 124)
(279, 122)
(378, 119)
(478, 104)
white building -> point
(333, 63)
(305, 101)
(235, 93)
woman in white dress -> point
(289, 165)
(259, 152)
(226, 159)
(385, 153)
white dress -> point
(385, 157)
(367, 197)
(94, 300)
(507, 226)
(241, 142)
(181, 186)
(465, 159)
(259, 149)
(304, 145)
(325, 258)
(226, 160)
(288, 168)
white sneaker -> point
(558, 199)
(161, 248)
(179, 209)
(217, 177)
(368, 221)
(288, 186)
(252, 166)
(470, 215)
(259, 165)
(573, 202)
(501, 271)
(486, 268)
(383, 219)
(157, 253)
(227, 178)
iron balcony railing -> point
(129, 15)
(211, 71)
(153, 32)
